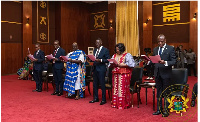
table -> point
(147, 85)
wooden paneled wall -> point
(27, 28)
(11, 40)
(193, 26)
(140, 23)
(147, 28)
(74, 25)
(193, 29)
(112, 30)
(11, 57)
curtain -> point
(127, 26)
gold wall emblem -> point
(43, 20)
(43, 36)
(171, 13)
(43, 4)
(99, 21)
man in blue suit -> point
(38, 67)
(163, 71)
(58, 66)
(99, 71)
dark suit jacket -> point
(59, 64)
(168, 55)
(38, 65)
(104, 55)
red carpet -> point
(20, 104)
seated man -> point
(194, 95)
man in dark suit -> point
(58, 66)
(38, 67)
(163, 70)
(99, 71)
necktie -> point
(55, 52)
(160, 52)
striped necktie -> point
(160, 51)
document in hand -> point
(31, 57)
(155, 59)
(145, 57)
(112, 61)
(65, 58)
(92, 57)
(50, 57)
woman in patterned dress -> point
(121, 77)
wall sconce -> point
(27, 20)
(195, 16)
(147, 20)
(111, 24)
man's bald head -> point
(161, 40)
(75, 46)
(161, 36)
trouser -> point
(161, 85)
(189, 69)
(99, 78)
(57, 75)
(194, 91)
(38, 78)
(150, 70)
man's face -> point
(37, 47)
(98, 43)
(56, 45)
(161, 41)
(74, 46)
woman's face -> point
(117, 51)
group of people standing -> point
(74, 83)
(121, 74)
(186, 59)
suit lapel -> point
(35, 54)
(157, 51)
(165, 49)
(100, 52)
(56, 53)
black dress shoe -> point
(39, 91)
(54, 93)
(157, 113)
(165, 114)
(93, 101)
(103, 102)
(35, 90)
(192, 103)
(59, 94)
